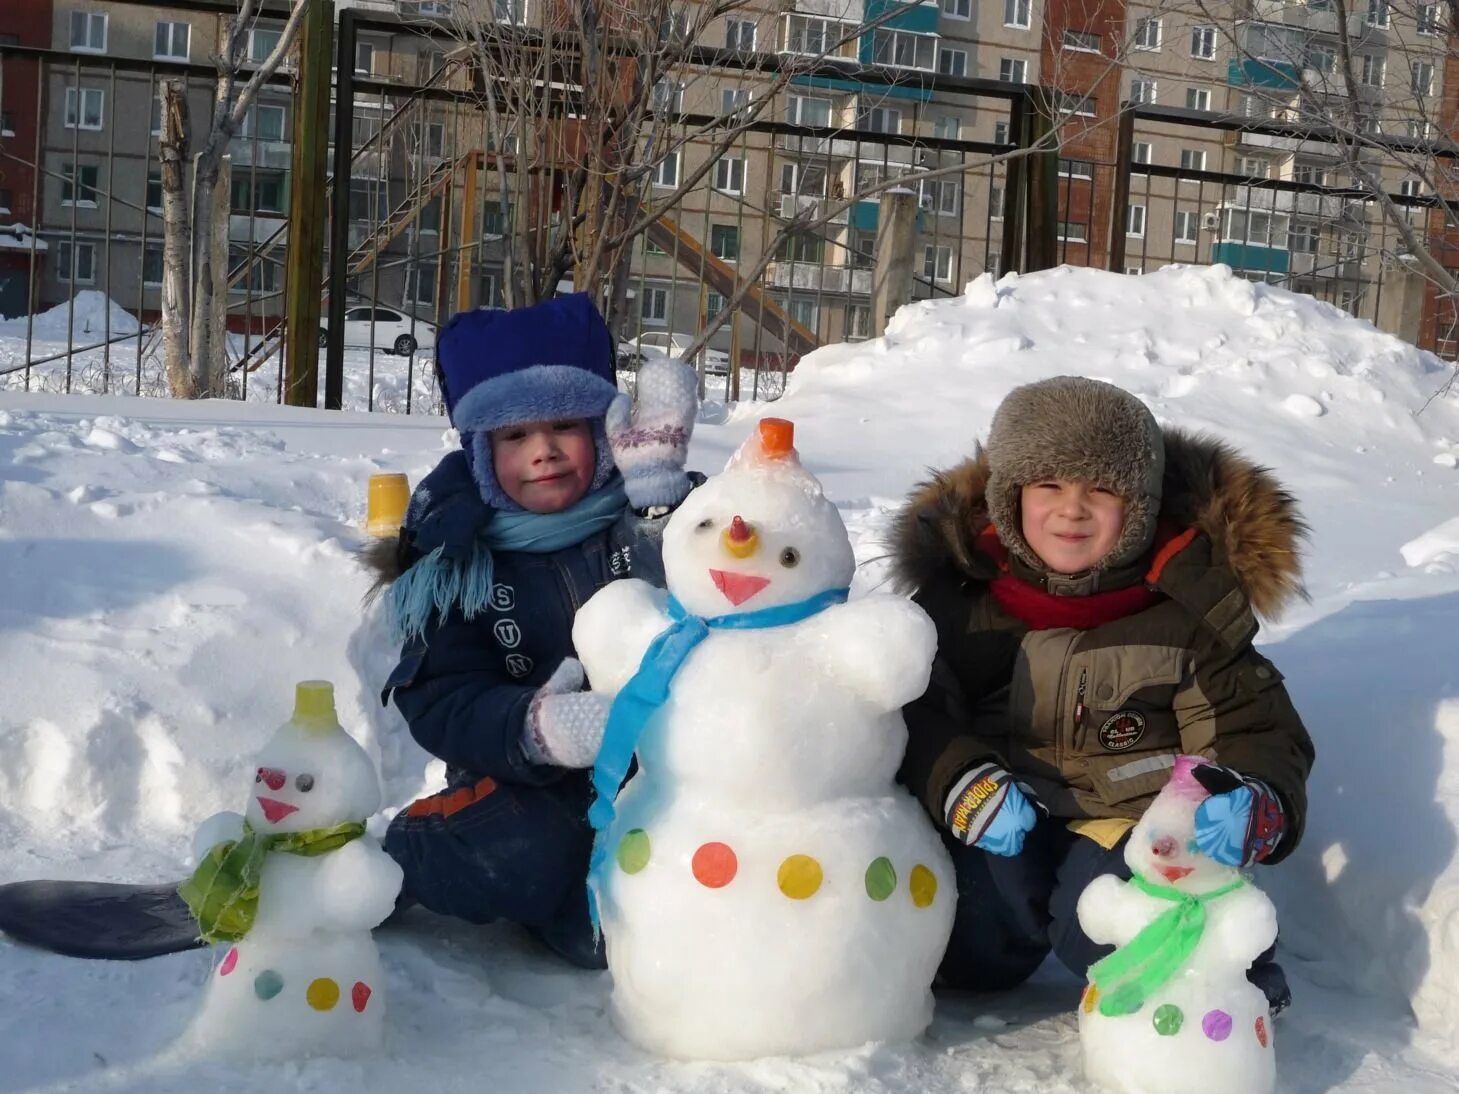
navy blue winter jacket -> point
(465, 685)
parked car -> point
(664, 344)
(393, 331)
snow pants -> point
(483, 850)
(1013, 911)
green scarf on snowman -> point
(222, 894)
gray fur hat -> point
(1081, 430)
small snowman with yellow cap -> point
(293, 889)
(764, 886)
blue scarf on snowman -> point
(648, 690)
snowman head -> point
(311, 774)
(1162, 847)
(757, 536)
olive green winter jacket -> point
(1092, 719)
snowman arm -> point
(1245, 927)
(614, 629)
(1110, 911)
(879, 646)
(358, 884)
(219, 828)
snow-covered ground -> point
(169, 570)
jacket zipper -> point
(1079, 701)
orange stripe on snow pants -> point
(449, 802)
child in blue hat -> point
(560, 486)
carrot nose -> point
(739, 531)
(739, 539)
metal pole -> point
(1124, 152)
(339, 224)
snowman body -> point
(1206, 1030)
(306, 979)
(767, 887)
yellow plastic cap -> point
(388, 498)
(314, 705)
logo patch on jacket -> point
(1121, 731)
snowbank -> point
(87, 313)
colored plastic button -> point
(1168, 1019)
(1216, 1025)
(881, 879)
(799, 877)
(714, 865)
(229, 963)
(322, 994)
(923, 884)
(267, 984)
(1261, 1036)
(360, 996)
(633, 851)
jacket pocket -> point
(405, 672)
(1124, 698)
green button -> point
(633, 851)
(881, 879)
(267, 984)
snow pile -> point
(88, 313)
(171, 570)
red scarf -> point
(1043, 611)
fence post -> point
(339, 209)
(1011, 255)
(1041, 246)
(896, 239)
(217, 365)
(307, 210)
(1120, 205)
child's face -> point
(1071, 525)
(544, 466)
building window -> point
(88, 31)
(654, 308)
(428, 141)
(1142, 90)
(1309, 174)
(1304, 239)
(154, 193)
(1135, 221)
(957, 9)
(1185, 226)
(809, 111)
(1076, 169)
(1428, 18)
(1321, 58)
(1192, 159)
(152, 264)
(1082, 40)
(667, 96)
(941, 196)
(1197, 98)
(739, 35)
(899, 49)
(995, 203)
(1147, 33)
(666, 171)
(1074, 102)
(811, 36)
(947, 127)
(78, 185)
(84, 107)
(652, 248)
(1411, 188)
(1140, 152)
(1072, 231)
(262, 41)
(1421, 77)
(1368, 125)
(7, 200)
(729, 175)
(808, 178)
(1013, 70)
(1377, 13)
(937, 262)
(724, 241)
(803, 247)
(803, 312)
(952, 62)
(171, 40)
(713, 304)
(1015, 14)
(76, 261)
(1418, 130)
(364, 59)
(420, 284)
(1000, 132)
(990, 264)
(732, 100)
(258, 192)
(1253, 167)
(7, 123)
(880, 119)
(263, 122)
(1134, 271)
(1372, 70)
(1203, 43)
(858, 321)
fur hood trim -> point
(1253, 523)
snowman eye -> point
(305, 783)
(258, 775)
(789, 557)
(704, 525)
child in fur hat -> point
(559, 487)
(1095, 581)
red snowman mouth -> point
(737, 588)
(275, 811)
(1175, 873)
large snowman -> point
(1171, 1010)
(764, 886)
(296, 887)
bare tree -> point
(194, 254)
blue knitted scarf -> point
(435, 583)
(648, 690)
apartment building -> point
(29, 26)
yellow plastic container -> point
(385, 510)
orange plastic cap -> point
(777, 437)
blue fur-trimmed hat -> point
(550, 361)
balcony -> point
(1306, 264)
(808, 206)
(1285, 201)
(273, 155)
(1263, 72)
(843, 148)
(812, 277)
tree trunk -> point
(177, 241)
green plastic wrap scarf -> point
(1127, 977)
(222, 894)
